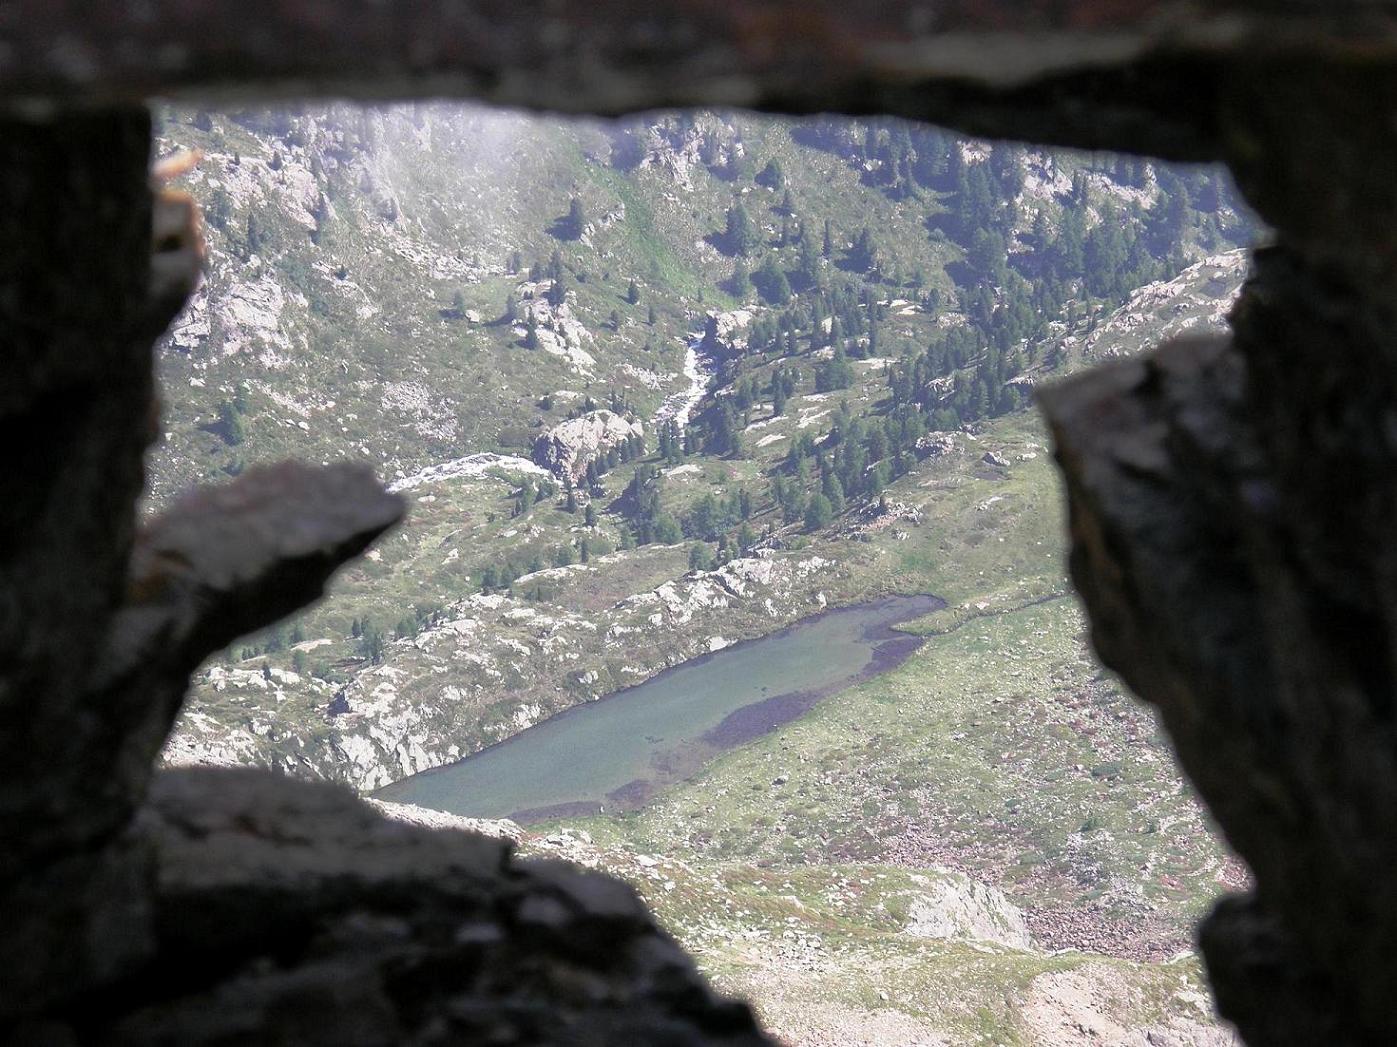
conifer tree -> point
(575, 223)
(771, 281)
(740, 235)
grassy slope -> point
(998, 749)
(975, 545)
(833, 953)
(999, 740)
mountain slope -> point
(657, 387)
(357, 304)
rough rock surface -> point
(222, 906)
(1148, 76)
(287, 912)
(1088, 1005)
(567, 449)
(1231, 512)
(1227, 501)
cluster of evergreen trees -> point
(1012, 282)
(531, 493)
(629, 450)
(709, 519)
(739, 543)
(494, 577)
(826, 286)
(861, 456)
(643, 507)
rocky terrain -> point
(408, 287)
(486, 665)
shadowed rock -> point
(1148, 75)
(220, 563)
(226, 907)
(1233, 560)
(288, 912)
(1231, 506)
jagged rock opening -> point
(1230, 506)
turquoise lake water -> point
(617, 751)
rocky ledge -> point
(291, 912)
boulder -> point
(936, 444)
(567, 449)
(291, 912)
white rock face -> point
(724, 332)
(678, 148)
(471, 466)
(411, 814)
(956, 907)
(938, 443)
(568, 448)
(556, 328)
(429, 414)
(1198, 301)
(1095, 1003)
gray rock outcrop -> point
(568, 448)
(220, 906)
(1231, 505)
(292, 912)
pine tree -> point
(557, 291)
(575, 223)
(808, 269)
(633, 293)
(254, 235)
(834, 491)
(740, 235)
(667, 530)
(818, 513)
(988, 255)
(230, 424)
(863, 256)
(372, 645)
(737, 284)
(771, 281)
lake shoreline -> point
(890, 645)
